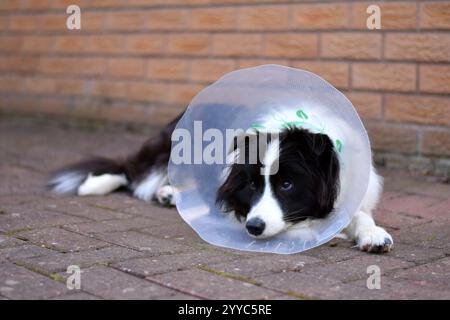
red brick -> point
(247, 63)
(337, 73)
(263, 18)
(36, 4)
(145, 91)
(420, 47)
(392, 139)
(10, 83)
(213, 19)
(436, 143)
(126, 67)
(37, 43)
(71, 44)
(384, 76)
(106, 44)
(23, 23)
(93, 21)
(236, 44)
(40, 85)
(435, 15)
(397, 15)
(134, 20)
(435, 78)
(368, 105)
(10, 43)
(417, 109)
(351, 45)
(145, 44)
(52, 22)
(111, 89)
(320, 16)
(4, 22)
(18, 64)
(169, 69)
(210, 70)
(189, 44)
(166, 19)
(10, 5)
(70, 86)
(78, 66)
(291, 45)
(182, 93)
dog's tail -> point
(96, 176)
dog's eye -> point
(286, 185)
(252, 185)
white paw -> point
(166, 195)
(374, 240)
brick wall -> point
(143, 60)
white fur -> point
(166, 195)
(102, 184)
(146, 189)
(267, 208)
(67, 182)
(362, 229)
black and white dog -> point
(305, 187)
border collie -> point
(305, 187)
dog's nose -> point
(255, 226)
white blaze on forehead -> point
(267, 208)
(271, 159)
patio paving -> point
(129, 249)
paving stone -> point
(397, 220)
(19, 283)
(109, 283)
(416, 205)
(439, 211)
(355, 268)
(20, 220)
(6, 241)
(78, 206)
(138, 239)
(434, 275)
(56, 261)
(265, 264)
(205, 284)
(22, 252)
(427, 235)
(62, 240)
(134, 223)
(301, 285)
(416, 254)
(76, 296)
(391, 288)
(180, 232)
(335, 250)
(168, 263)
(18, 180)
(143, 242)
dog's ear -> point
(321, 163)
(328, 172)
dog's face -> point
(304, 185)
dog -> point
(306, 186)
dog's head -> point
(297, 179)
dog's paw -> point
(375, 240)
(166, 196)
